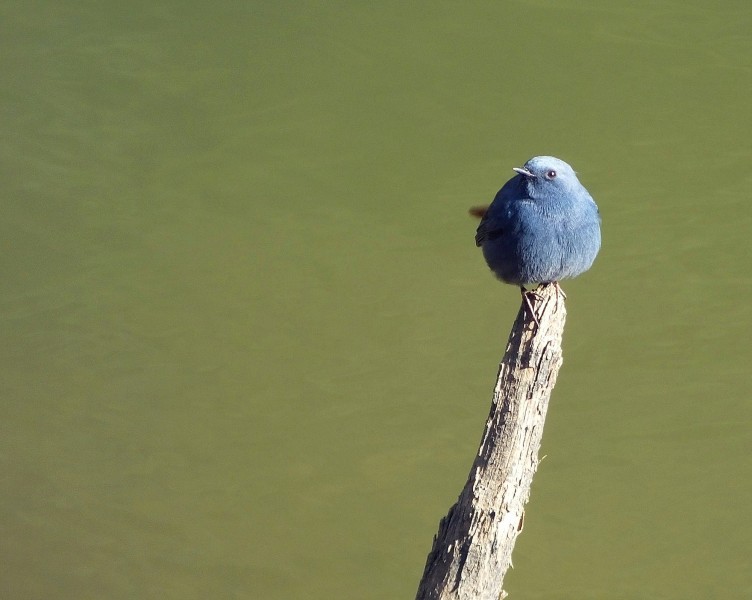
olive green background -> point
(248, 344)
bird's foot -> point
(530, 296)
(526, 295)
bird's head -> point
(547, 174)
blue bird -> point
(543, 226)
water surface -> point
(248, 343)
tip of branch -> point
(541, 315)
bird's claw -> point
(526, 295)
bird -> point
(542, 226)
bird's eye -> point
(551, 174)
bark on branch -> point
(473, 547)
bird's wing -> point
(489, 229)
(496, 220)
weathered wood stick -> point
(473, 548)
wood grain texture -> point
(473, 548)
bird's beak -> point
(524, 172)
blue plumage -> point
(543, 226)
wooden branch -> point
(473, 547)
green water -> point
(248, 344)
